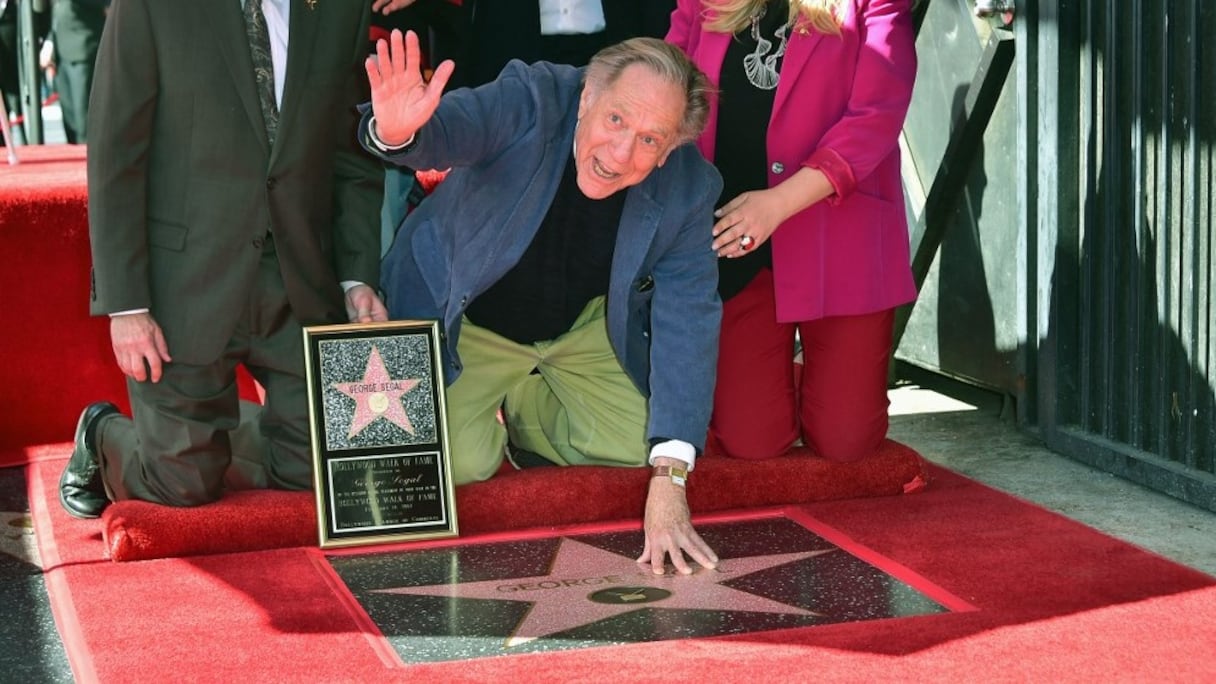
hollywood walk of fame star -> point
(567, 597)
(377, 396)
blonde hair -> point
(732, 16)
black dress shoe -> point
(523, 459)
(81, 491)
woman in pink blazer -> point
(811, 228)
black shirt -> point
(567, 265)
(740, 148)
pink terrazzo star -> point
(377, 396)
(572, 593)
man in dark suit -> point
(228, 207)
(76, 30)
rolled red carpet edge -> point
(515, 500)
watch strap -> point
(679, 476)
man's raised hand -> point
(402, 101)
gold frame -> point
(382, 472)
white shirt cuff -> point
(674, 448)
(379, 144)
(128, 312)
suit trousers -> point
(190, 437)
(837, 404)
(73, 81)
(568, 400)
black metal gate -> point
(1107, 237)
(1128, 359)
(961, 176)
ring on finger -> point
(746, 242)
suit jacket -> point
(508, 143)
(502, 30)
(839, 108)
(183, 185)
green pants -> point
(579, 407)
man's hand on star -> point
(669, 531)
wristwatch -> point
(679, 476)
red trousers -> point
(838, 405)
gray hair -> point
(666, 60)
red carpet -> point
(44, 246)
(1055, 601)
(258, 520)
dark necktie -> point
(263, 65)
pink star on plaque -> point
(377, 396)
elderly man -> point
(568, 257)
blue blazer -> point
(507, 144)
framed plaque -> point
(379, 433)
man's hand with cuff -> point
(668, 523)
(139, 345)
(402, 101)
(373, 136)
(362, 303)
